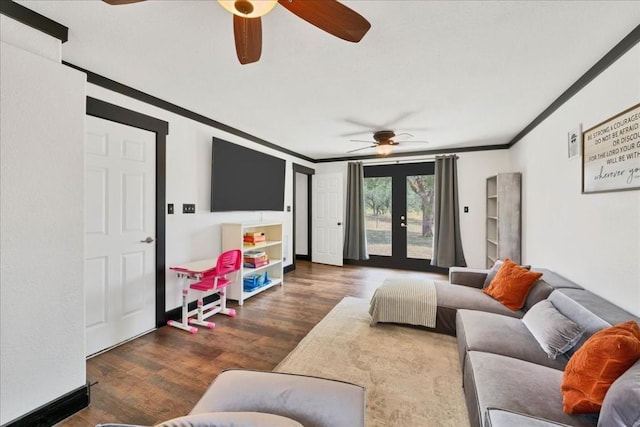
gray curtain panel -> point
(447, 244)
(355, 238)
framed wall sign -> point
(611, 154)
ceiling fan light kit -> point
(384, 141)
(248, 8)
(384, 149)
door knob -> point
(403, 225)
(147, 240)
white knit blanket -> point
(410, 301)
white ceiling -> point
(455, 73)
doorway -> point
(159, 130)
(301, 213)
(327, 232)
(119, 233)
(399, 212)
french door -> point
(399, 202)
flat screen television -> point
(245, 180)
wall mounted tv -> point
(245, 180)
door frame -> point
(115, 113)
(398, 173)
(309, 172)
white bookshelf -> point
(503, 217)
(232, 238)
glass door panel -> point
(419, 219)
(377, 196)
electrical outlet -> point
(170, 208)
(188, 208)
(466, 209)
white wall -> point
(41, 232)
(195, 236)
(592, 239)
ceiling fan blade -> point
(248, 36)
(362, 132)
(363, 148)
(362, 140)
(412, 142)
(330, 16)
(403, 136)
(118, 2)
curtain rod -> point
(370, 162)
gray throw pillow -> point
(555, 332)
(231, 419)
(492, 273)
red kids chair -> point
(215, 281)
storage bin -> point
(254, 281)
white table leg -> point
(184, 324)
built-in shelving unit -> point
(503, 239)
(232, 238)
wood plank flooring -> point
(162, 374)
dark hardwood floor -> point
(162, 374)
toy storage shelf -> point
(232, 238)
(503, 217)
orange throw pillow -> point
(597, 364)
(512, 284)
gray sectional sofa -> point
(242, 397)
(508, 379)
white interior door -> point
(327, 235)
(119, 233)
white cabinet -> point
(503, 217)
(233, 238)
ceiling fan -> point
(328, 15)
(384, 141)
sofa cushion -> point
(231, 419)
(451, 298)
(555, 280)
(473, 277)
(119, 425)
(512, 284)
(555, 332)
(607, 311)
(302, 398)
(621, 405)
(507, 336)
(496, 381)
(597, 364)
(463, 297)
(546, 285)
(503, 418)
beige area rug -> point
(412, 376)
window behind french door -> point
(399, 201)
